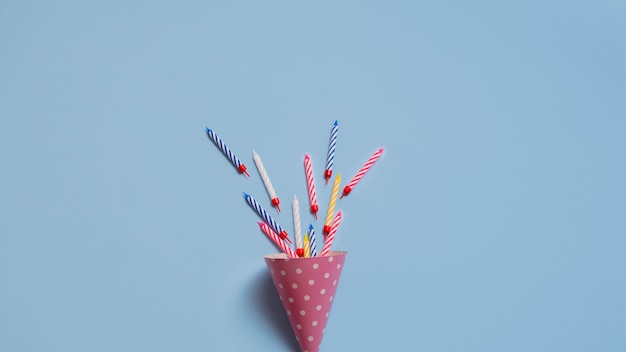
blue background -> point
(495, 220)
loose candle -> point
(331, 236)
(296, 227)
(308, 170)
(275, 238)
(331, 204)
(331, 152)
(268, 219)
(227, 152)
(266, 180)
(361, 172)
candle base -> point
(275, 203)
(242, 170)
(284, 236)
(346, 191)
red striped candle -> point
(362, 171)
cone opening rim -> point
(283, 256)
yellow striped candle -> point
(331, 204)
(307, 248)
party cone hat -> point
(306, 287)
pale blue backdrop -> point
(495, 220)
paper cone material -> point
(306, 287)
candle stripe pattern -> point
(268, 219)
(266, 180)
(227, 152)
(331, 236)
(332, 203)
(331, 152)
(361, 172)
(274, 237)
(307, 248)
(312, 243)
(308, 169)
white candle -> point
(266, 180)
(296, 226)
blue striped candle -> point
(312, 241)
(331, 152)
(268, 219)
(227, 152)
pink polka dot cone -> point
(306, 287)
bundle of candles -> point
(305, 244)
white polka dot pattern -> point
(306, 287)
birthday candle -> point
(227, 152)
(361, 172)
(331, 204)
(331, 236)
(266, 180)
(308, 169)
(296, 227)
(275, 238)
(331, 152)
(268, 219)
(312, 243)
(307, 248)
